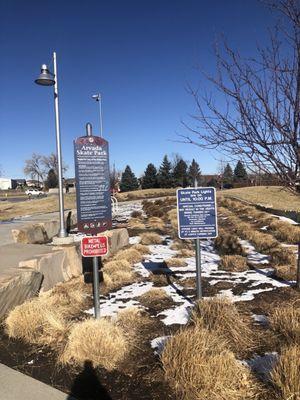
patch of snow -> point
(178, 315)
(30, 362)
(158, 344)
(134, 240)
(264, 228)
(122, 299)
(260, 318)
(285, 219)
(252, 255)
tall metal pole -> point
(298, 269)
(96, 290)
(62, 228)
(100, 112)
(198, 260)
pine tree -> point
(194, 173)
(227, 176)
(165, 179)
(240, 173)
(128, 180)
(180, 176)
(51, 181)
(149, 179)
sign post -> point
(93, 199)
(197, 219)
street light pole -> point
(98, 98)
(46, 78)
(62, 228)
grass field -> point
(28, 207)
(271, 196)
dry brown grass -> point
(118, 265)
(118, 279)
(227, 244)
(131, 321)
(36, 322)
(285, 321)
(285, 375)
(233, 263)
(137, 214)
(100, 341)
(281, 255)
(198, 366)
(271, 196)
(158, 279)
(135, 223)
(285, 232)
(151, 238)
(141, 248)
(179, 244)
(131, 255)
(221, 316)
(186, 253)
(26, 207)
(156, 224)
(145, 193)
(153, 297)
(175, 262)
(287, 272)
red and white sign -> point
(94, 246)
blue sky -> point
(139, 54)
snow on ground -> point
(154, 263)
(122, 299)
(285, 219)
(158, 344)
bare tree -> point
(35, 168)
(258, 120)
(51, 162)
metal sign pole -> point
(96, 288)
(198, 260)
(298, 269)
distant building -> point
(7, 183)
(34, 183)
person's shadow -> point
(86, 385)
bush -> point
(198, 366)
(151, 238)
(100, 341)
(228, 244)
(285, 320)
(233, 263)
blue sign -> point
(197, 213)
(92, 184)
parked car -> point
(35, 193)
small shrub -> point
(285, 320)
(119, 265)
(228, 244)
(36, 322)
(151, 238)
(136, 214)
(233, 263)
(285, 375)
(287, 272)
(263, 242)
(100, 341)
(221, 316)
(154, 297)
(141, 248)
(131, 320)
(135, 223)
(280, 255)
(198, 366)
(175, 262)
(285, 232)
(130, 255)
(118, 279)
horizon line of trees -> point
(179, 173)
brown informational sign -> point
(92, 184)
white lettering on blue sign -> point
(197, 213)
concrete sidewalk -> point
(16, 386)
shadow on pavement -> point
(86, 385)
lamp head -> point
(96, 96)
(46, 78)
